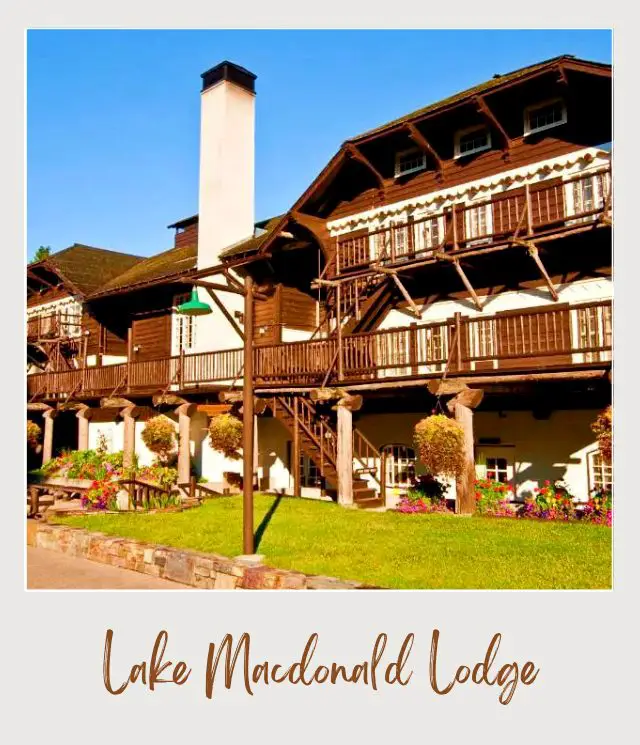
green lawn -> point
(384, 549)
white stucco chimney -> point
(227, 147)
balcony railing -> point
(533, 339)
(53, 326)
(521, 213)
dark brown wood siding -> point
(152, 333)
(188, 237)
(297, 309)
(456, 172)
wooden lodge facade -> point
(465, 246)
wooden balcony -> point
(536, 339)
(53, 326)
(541, 211)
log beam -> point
(491, 119)
(398, 283)
(168, 399)
(421, 141)
(465, 483)
(467, 284)
(226, 313)
(355, 153)
(184, 412)
(533, 252)
(115, 403)
(345, 456)
(47, 443)
(471, 398)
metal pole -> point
(247, 419)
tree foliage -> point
(602, 428)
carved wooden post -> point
(413, 347)
(83, 428)
(129, 445)
(345, 453)
(47, 442)
(184, 412)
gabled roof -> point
(86, 268)
(496, 82)
(165, 265)
(176, 262)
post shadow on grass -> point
(264, 524)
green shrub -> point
(440, 443)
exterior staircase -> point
(318, 441)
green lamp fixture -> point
(194, 307)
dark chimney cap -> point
(233, 73)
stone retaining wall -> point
(204, 571)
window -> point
(544, 116)
(410, 161)
(594, 326)
(498, 470)
(600, 473)
(478, 223)
(470, 141)
(184, 327)
(400, 465)
(431, 237)
(585, 195)
(484, 337)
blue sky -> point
(113, 116)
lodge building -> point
(463, 247)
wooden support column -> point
(184, 412)
(47, 441)
(83, 416)
(345, 454)
(295, 449)
(248, 421)
(465, 484)
(129, 445)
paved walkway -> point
(52, 570)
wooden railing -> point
(53, 326)
(523, 213)
(533, 338)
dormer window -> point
(471, 141)
(544, 116)
(410, 161)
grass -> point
(384, 549)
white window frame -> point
(486, 452)
(467, 131)
(486, 236)
(599, 192)
(393, 464)
(182, 327)
(601, 469)
(530, 109)
(420, 155)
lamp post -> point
(247, 421)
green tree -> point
(42, 253)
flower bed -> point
(426, 495)
(494, 498)
(99, 473)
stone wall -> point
(203, 571)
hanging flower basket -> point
(34, 433)
(159, 436)
(440, 443)
(225, 435)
